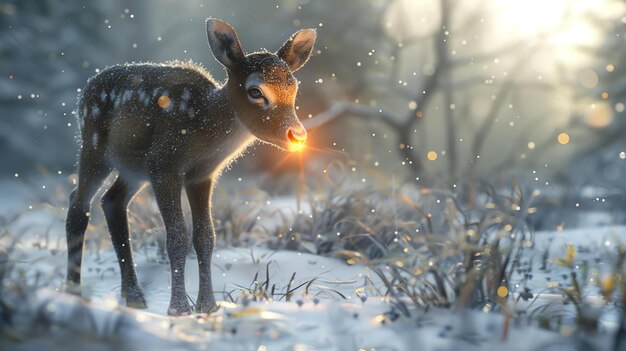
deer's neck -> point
(223, 119)
(227, 134)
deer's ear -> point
(224, 42)
(297, 50)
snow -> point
(328, 325)
(317, 320)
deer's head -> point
(261, 85)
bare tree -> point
(443, 82)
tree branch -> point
(339, 109)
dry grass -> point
(430, 247)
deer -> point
(173, 126)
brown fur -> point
(173, 126)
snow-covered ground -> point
(341, 308)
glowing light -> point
(561, 22)
(599, 116)
(563, 138)
(610, 68)
(431, 155)
(295, 146)
(164, 101)
(531, 16)
(502, 291)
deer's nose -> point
(297, 134)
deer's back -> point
(138, 111)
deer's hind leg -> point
(115, 204)
(92, 172)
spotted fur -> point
(173, 126)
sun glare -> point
(564, 21)
(531, 16)
(293, 147)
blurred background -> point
(439, 93)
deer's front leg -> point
(167, 190)
(199, 196)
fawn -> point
(174, 126)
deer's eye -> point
(255, 93)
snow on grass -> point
(333, 305)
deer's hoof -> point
(138, 303)
(134, 297)
(208, 307)
(177, 312)
(73, 288)
(182, 310)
